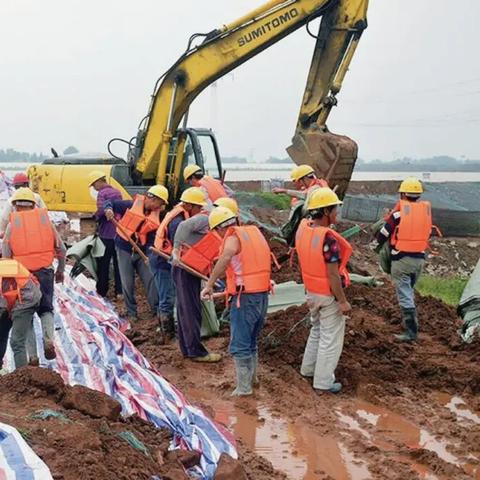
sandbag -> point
(210, 323)
(85, 254)
(385, 257)
(289, 229)
(469, 307)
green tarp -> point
(85, 253)
(469, 307)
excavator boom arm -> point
(232, 45)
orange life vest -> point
(202, 255)
(135, 222)
(13, 270)
(415, 227)
(214, 188)
(162, 242)
(309, 245)
(32, 240)
(254, 259)
(318, 182)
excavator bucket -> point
(331, 156)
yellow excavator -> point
(165, 144)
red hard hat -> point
(20, 178)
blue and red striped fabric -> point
(17, 459)
(92, 350)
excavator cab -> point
(63, 181)
(192, 146)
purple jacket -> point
(106, 229)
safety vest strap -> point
(135, 222)
(415, 227)
(309, 245)
(255, 261)
(214, 188)
(32, 238)
(202, 255)
(13, 270)
(162, 242)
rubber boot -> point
(255, 381)
(47, 322)
(167, 326)
(244, 370)
(409, 316)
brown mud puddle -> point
(293, 448)
(392, 431)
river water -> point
(268, 171)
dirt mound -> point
(439, 361)
(75, 443)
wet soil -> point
(407, 411)
(83, 435)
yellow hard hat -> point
(301, 171)
(94, 176)
(227, 202)
(411, 185)
(194, 195)
(9, 268)
(323, 197)
(190, 170)
(159, 191)
(220, 215)
(23, 194)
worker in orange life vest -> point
(19, 298)
(139, 222)
(28, 222)
(162, 268)
(305, 180)
(246, 258)
(323, 255)
(213, 188)
(195, 246)
(408, 229)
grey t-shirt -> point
(191, 231)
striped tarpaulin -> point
(17, 459)
(93, 351)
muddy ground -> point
(406, 411)
(79, 433)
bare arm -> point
(231, 248)
(291, 193)
(6, 250)
(336, 286)
(5, 217)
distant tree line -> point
(12, 155)
(234, 160)
(441, 163)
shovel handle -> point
(180, 264)
(131, 242)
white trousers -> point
(325, 342)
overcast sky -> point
(81, 71)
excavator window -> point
(211, 158)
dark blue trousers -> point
(189, 313)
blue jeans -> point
(166, 291)
(405, 274)
(246, 322)
(128, 265)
